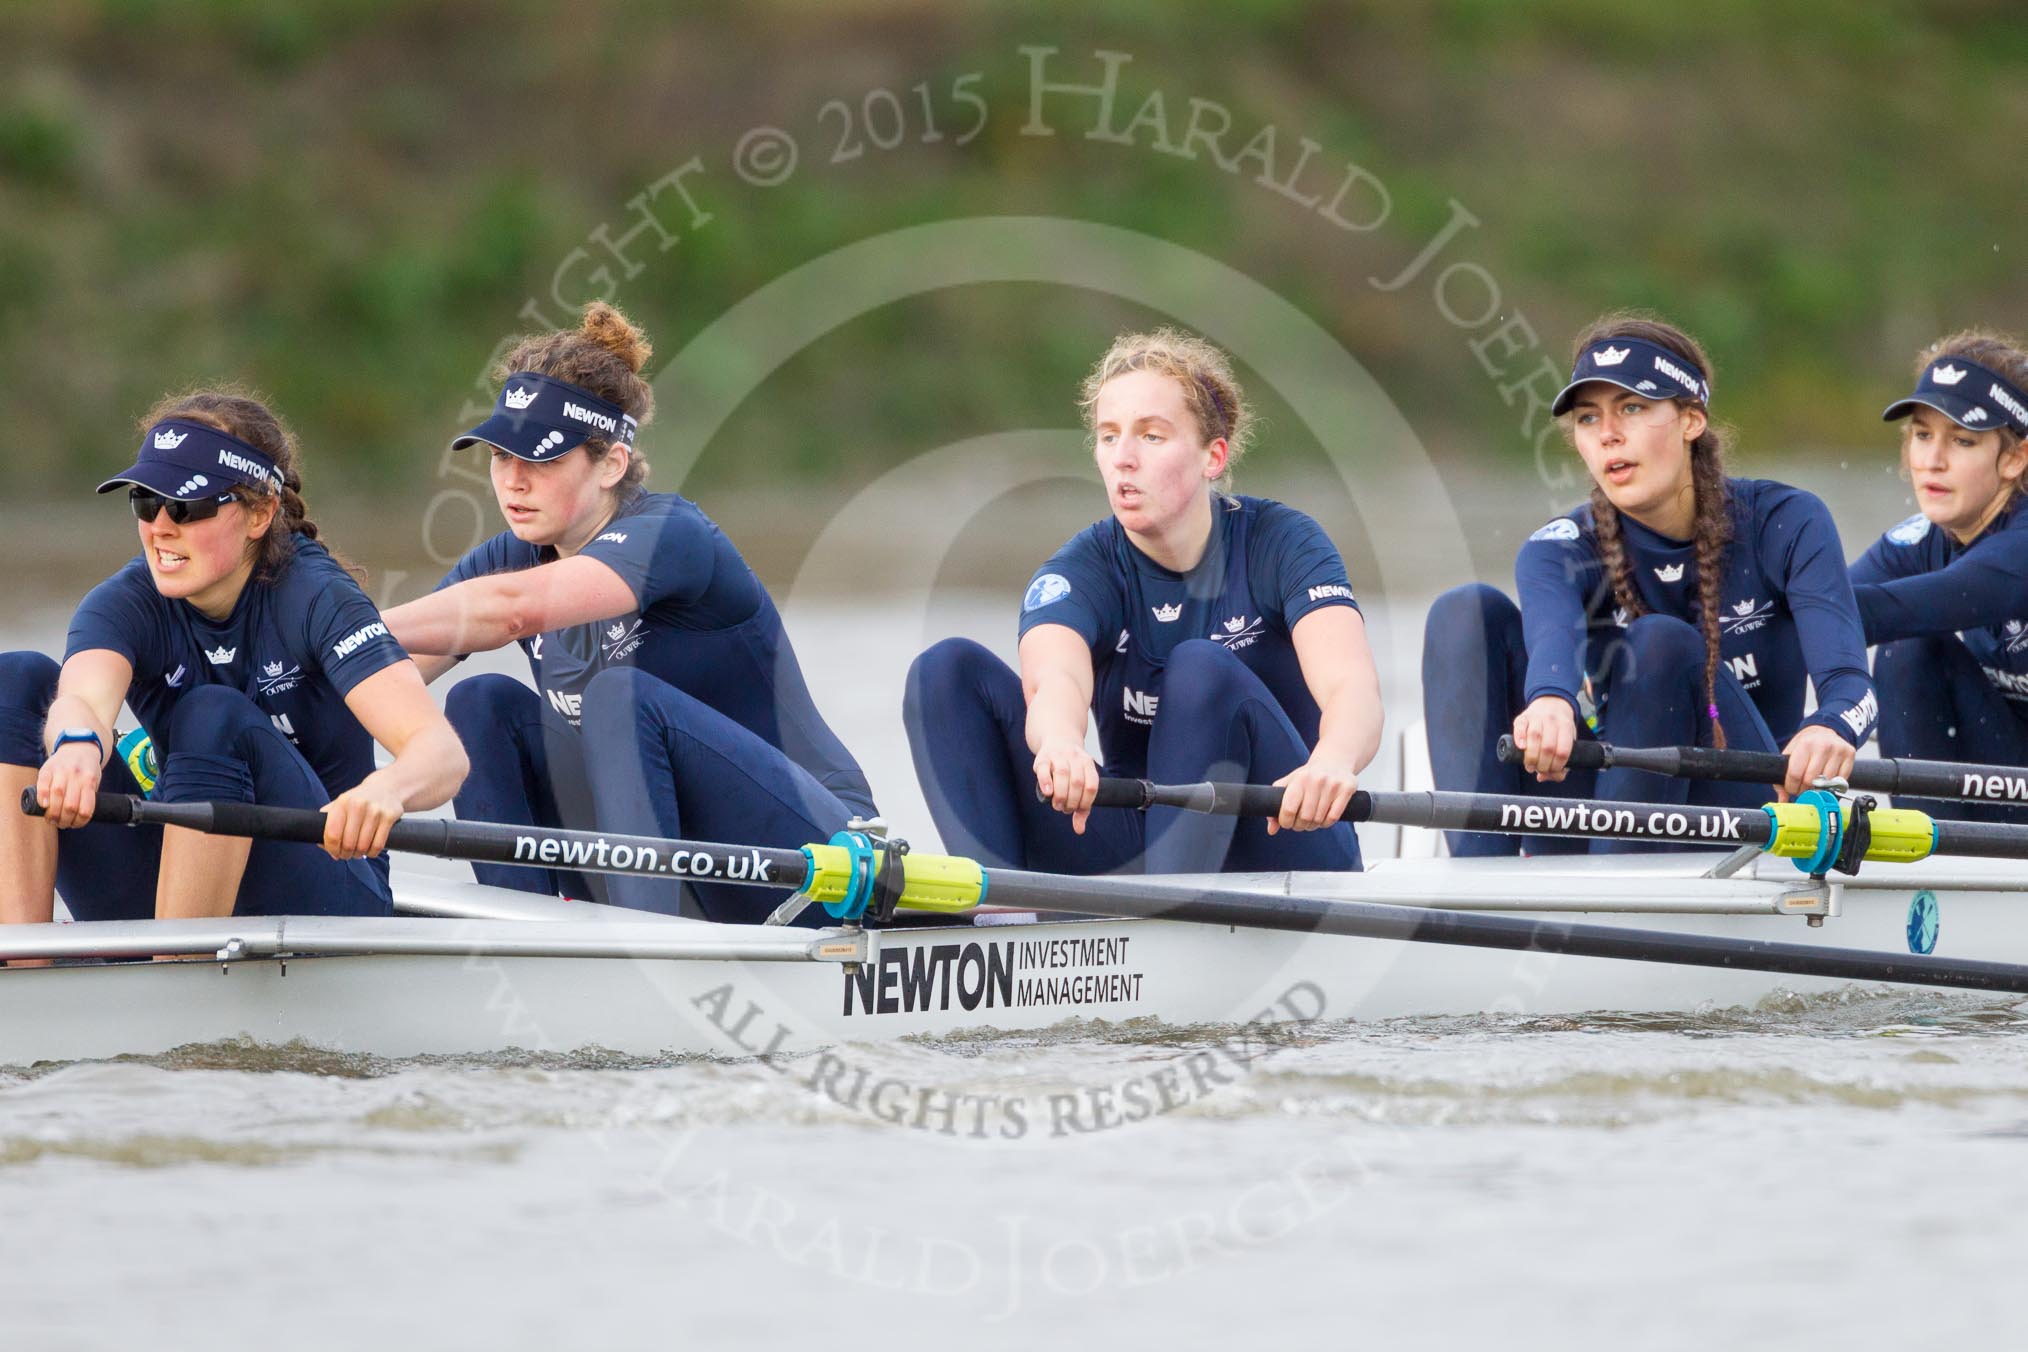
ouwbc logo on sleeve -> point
(1045, 590)
(1911, 531)
(1563, 528)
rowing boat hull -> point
(971, 979)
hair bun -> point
(613, 331)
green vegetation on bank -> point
(347, 202)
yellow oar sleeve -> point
(931, 882)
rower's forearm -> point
(1055, 711)
(429, 770)
(470, 617)
(73, 711)
(1350, 727)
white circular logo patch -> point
(1045, 589)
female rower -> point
(1211, 636)
(1677, 607)
(1941, 593)
(668, 701)
(259, 671)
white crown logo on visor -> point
(165, 440)
(1947, 375)
(1611, 356)
(518, 399)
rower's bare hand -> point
(1546, 731)
(357, 821)
(67, 786)
(1816, 753)
(1068, 777)
(1315, 795)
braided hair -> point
(1711, 530)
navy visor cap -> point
(1968, 394)
(188, 460)
(1637, 365)
(539, 418)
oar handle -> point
(1691, 762)
(1225, 800)
(252, 820)
(114, 809)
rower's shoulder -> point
(1764, 497)
(1776, 511)
(1570, 527)
(1269, 514)
(130, 584)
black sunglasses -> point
(146, 505)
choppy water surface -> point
(1851, 1168)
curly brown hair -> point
(604, 354)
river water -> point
(1847, 1170)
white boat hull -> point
(930, 982)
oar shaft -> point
(479, 842)
(1577, 817)
(1152, 900)
(1910, 778)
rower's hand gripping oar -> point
(1913, 778)
(932, 882)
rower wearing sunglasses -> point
(259, 671)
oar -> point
(837, 876)
(1912, 778)
(1808, 829)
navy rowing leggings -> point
(966, 728)
(108, 872)
(648, 760)
(1474, 670)
(1936, 703)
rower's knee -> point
(211, 717)
(1201, 676)
(1474, 613)
(1906, 666)
(479, 706)
(944, 672)
(1657, 647)
(27, 685)
(210, 759)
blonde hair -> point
(603, 354)
(1210, 391)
